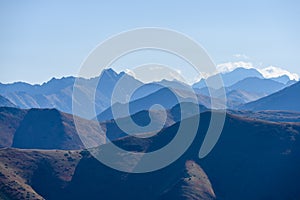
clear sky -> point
(44, 39)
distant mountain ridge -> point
(164, 97)
(245, 85)
(282, 79)
(4, 102)
(57, 93)
(241, 85)
(286, 99)
(230, 78)
(258, 86)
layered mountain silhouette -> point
(242, 86)
(165, 97)
(4, 102)
(230, 78)
(286, 99)
(52, 129)
(249, 89)
(254, 85)
(42, 155)
(155, 117)
(253, 159)
(57, 93)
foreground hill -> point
(21, 171)
(66, 175)
(286, 99)
(253, 159)
(41, 129)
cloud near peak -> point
(267, 72)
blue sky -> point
(44, 39)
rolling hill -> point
(253, 159)
(21, 171)
(42, 129)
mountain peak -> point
(230, 77)
(250, 72)
(109, 71)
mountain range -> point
(164, 97)
(230, 78)
(57, 93)
(42, 155)
(244, 85)
(241, 85)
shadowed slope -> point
(43, 129)
(25, 174)
(286, 99)
(4, 102)
(10, 119)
